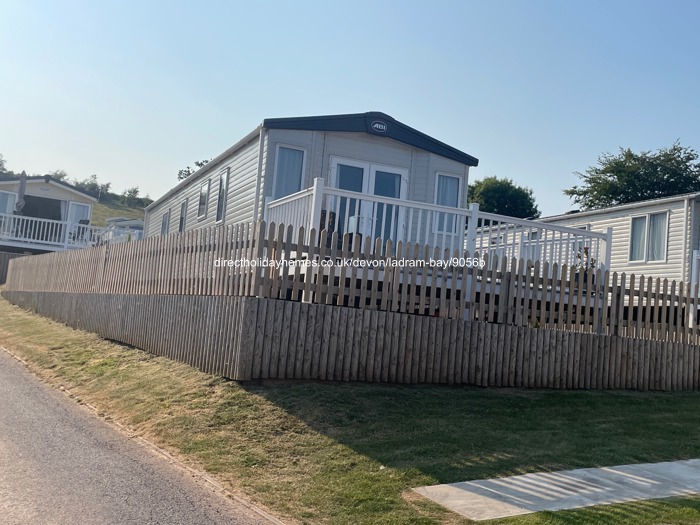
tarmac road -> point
(62, 465)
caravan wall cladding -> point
(507, 323)
(248, 172)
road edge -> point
(201, 475)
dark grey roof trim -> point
(618, 207)
(374, 123)
(46, 179)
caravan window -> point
(648, 237)
(289, 171)
(165, 224)
(78, 212)
(183, 217)
(446, 194)
(7, 202)
(203, 200)
(223, 193)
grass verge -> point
(349, 453)
(101, 211)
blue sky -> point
(134, 91)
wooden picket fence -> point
(246, 338)
(404, 279)
(5, 258)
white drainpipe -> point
(684, 257)
(259, 213)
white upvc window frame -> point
(165, 222)
(303, 168)
(72, 205)
(436, 220)
(371, 168)
(14, 201)
(334, 161)
(402, 172)
(647, 224)
(182, 220)
(221, 205)
(367, 209)
(201, 215)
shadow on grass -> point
(457, 434)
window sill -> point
(647, 263)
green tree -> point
(90, 185)
(632, 177)
(130, 196)
(504, 197)
(59, 175)
(3, 168)
(183, 174)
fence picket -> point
(506, 290)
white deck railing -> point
(18, 230)
(533, 240)
(457, 229)
(119, 235)
(292, 210)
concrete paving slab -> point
(550, 491)
(687, 472)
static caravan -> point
(657, 238)
(41, 213)
(366, 174)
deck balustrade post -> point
(266, 212)
(316, 204)
(66, 230)
(470, 241)
(607, 251)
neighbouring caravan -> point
(657, 238)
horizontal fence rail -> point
(278, 262)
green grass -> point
(101, 211)
(349, 453)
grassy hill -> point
(101, 211)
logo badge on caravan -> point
(379, 126)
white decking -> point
(457, 229)
(44, 234)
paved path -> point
(498, 498)
(60, 464)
